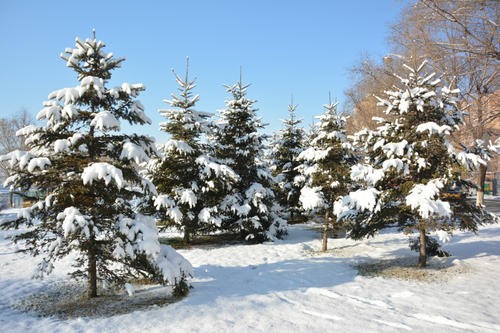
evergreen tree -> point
(410, 165)
(249, 205)
(185, 175)
(87, 171)
(286, 147)
(328, 161)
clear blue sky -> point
(284, 46)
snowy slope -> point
(287, 287)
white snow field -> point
(287, 286)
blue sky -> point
(304, 48)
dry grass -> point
(437, 270)
(69, 300)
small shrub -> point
(181, 288)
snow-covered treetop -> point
(331, 124)
(183, 119)
(238, 125)
(239, 107)
(292, 121)
(288, 141)
(420, 90)
(89, 59)
(330, 130)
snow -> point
(38, 162)
(256, 193)
(311, 198)
(141, 236)
(18, 157)
(443, 236)
(74, 221)
(471, 160)
(179, 146)
(359, 200)
(364, 199)
(422, 199)
(61, 145)
(285, 287)
(433, 128)
(104, 171)
(313, 154)
(219, 170)
(131, 151)
(130, 289)
(105, 121)
(166, 202)
(188, 196)
(365, 172)
(395, 148)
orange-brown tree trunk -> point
(324, 246)
(422, 259)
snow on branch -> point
(141, 237)
(360, 200)
(422, 198)
(164, 201)
(179, 146)
(102, 171)
(131, 151)
(73, 222)
(311, 198)
(219, 170)
(104, 121)
(433, 128)
(365, 172)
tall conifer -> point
(286, 148)
(87, 171)
(411, 164)
(249, 206)
(185, 174)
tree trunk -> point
(92, 269)
(481, 181)
(187, 238)
(422, 259)
(324, 246)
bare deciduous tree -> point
(8, 139)
(371, 79)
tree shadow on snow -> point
(298, 274)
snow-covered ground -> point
(287, 286)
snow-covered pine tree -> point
(185, 174)
(328, 161)
(410, 164)
(86, 169)
(249, 206)
(286, 147)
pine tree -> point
(185, 175)
(249, 206)
(286, 147)
(328, 161)
(410, 164)
(87, 171)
